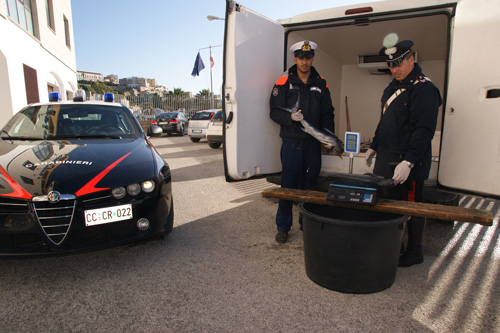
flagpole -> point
(211, 82)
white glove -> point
(297, 116)
(369, 156)
(401, 172)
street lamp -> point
(211, 18)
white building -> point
(89, 76)
(37, 53)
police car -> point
(77, 176)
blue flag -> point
(198, 66)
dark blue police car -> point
(77, 176)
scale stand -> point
(352, 145)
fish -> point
(330, 140)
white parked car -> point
(215, 134)
(197, 127)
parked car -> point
(215, 136)
(77, 176)
(197, 127)
(172, 122)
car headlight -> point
(134, 189)
(148, 186)
(119, 192)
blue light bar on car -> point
(79, 95)
(54, 96)
(109, 97)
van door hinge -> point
(360, 22)
(233, 6)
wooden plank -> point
(433, 211)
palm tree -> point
(179, 91)
(203, 93)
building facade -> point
(37, 53)
(89, 76)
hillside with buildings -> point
(144, 96)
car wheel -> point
(169, 222)
(214, 145)
(195, 139)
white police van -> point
(455, 44)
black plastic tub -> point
(349, 250)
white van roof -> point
(346, 11)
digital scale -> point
(349, 193)
(353, 194)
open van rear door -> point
(256, 44)
(470, 149)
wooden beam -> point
(433, 211)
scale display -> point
(352, 142)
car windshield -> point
(168, 115)
(202, 116)
(218, 115)
(68, 121)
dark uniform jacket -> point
(315, 104)
(406, 129)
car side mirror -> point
(154, 130)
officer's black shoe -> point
(281, 237)
(411, 257)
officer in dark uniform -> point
(300, 152)
(402, 140)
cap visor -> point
(304, 54)
(394, 63)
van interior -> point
(348, 58)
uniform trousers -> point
(301, 164)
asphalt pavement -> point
(221, 271)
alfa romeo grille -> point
(55, 218)
(13, 206)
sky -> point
(159, 39)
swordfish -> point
(330, 140)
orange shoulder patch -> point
(282, 80)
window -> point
(202, 116)
(31, 84)
(20, 11)
(66, 31)
(49, 7)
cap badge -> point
(306, 47)
(390, 51)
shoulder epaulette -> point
(282, 80)
(422, 79)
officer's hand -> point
(369, 156)
(297, 116)
(401, 173)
